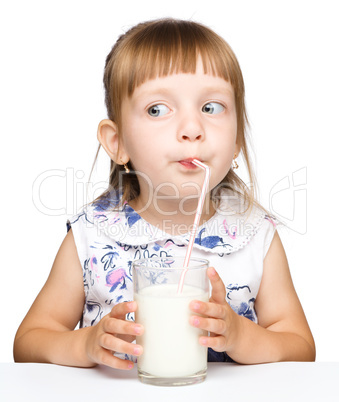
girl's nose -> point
(191, 129)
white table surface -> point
(225, 382)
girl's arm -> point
(282, 334)
(47, 332)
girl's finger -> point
(120, 310)
(217, 343)
(122, 327)
(218, 327)
(114, 344)
(210, 309)
(218, 287)
(106, 357)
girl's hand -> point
(114, 334)
(217, 317)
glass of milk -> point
(172, 353)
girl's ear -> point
(109, 140)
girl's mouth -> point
(188, 164)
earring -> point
(234, 163)
(125, 166)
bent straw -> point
(196, 221)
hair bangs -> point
(163, 47)
(172, 48)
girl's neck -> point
(174, 217)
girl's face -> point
(169, 121)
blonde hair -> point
(160, 48)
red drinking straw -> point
(196, 221)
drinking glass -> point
(172, 353)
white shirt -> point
(109, 239)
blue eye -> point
(158, 110)
(213, 108)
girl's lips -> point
(188, 164)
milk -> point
(171, 344)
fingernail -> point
(212, 271)
(137, 329)
(130, 366)
(137, 350)
(196, 322)
(130, 305)
(196, 305)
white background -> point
(52, 60)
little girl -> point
(174, 93)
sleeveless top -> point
(109, 238)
